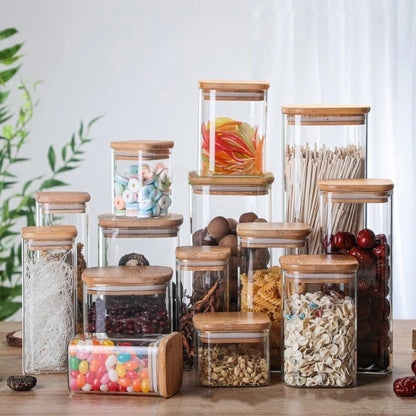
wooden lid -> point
(170, 364)
(230, 182)
(355, 185)
(62, 198)
(322, 110)
(274, 230)
(111, 221)
(234, 86)
(49, 233)
(126, 275)
(203, 253)
(136, 145)
(231, 321)
(330, 264)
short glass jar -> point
(232, 349)
(320, 142)
(232, 127)
(260, 278)
(202, 285)
(49, 296)
(141, 178)
(356, 220)
(319, 320)
(141, 366)
(127, 301)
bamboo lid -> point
(231, 321)
(355, 185)
(234, 86)
(62, 198)
(322, 110)
(203, 253)
(172, 221)
(49, 232)
(319, 264)
(170, 364)
(274, 230)
(126, 275)
(129, 146)
(231, 182)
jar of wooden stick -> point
(320, 142)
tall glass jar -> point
(356, 220)
(202, 285)
(49, 294)
(232, 127)
(320, 142)
(218, 204)
(68, 208)
(260, 278)
(141, 178)
(319, 320)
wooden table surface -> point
(372, 396)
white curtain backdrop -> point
(138, 62)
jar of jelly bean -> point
(137, 366)
(68, 208)
(141, 178)
(319, 320)
(218, 204)
(320, 142)
(232, 349)
(202, 282)
(127, 301)
(49, 295)
(260, 278)
(356, 220)
(232, 123)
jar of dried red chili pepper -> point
(232, 123)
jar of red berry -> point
(356, 220)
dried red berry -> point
(344, 240)
(366, 238)
(405, 386)
(364, 257)
(382, 250)
(328, 244)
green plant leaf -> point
(51, 158)
(9, 52)
(8, 308)
(8, 74)
(63, 153)
(6, 33)
(3, 96)
(8, 131)
(65, 169)
(51, 183)
(10, 292)
(11, 61)
(94, 120)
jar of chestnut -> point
(356, 220)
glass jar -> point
(142, 366)
(141, 178)
(232, 127)
(320, 142)
(127, 301)
(236, 343)
(356, 219)
(68, 208)
(319, 320)
(260, 278)
(202, 282)
(49, 294)
(236, 199)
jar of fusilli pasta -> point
(260, 279)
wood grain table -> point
(372, 396)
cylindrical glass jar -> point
(142, 366)
(49, 294)
(127, 301)
(236, 199)
(68, 208)
(356, 219)
(202, 284)
(319, 320)
(260, 278)
(141, 178)
(232, 349)
(320, 142)
(232, 127)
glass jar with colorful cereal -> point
(356, 220)
(137, 366)
(141, 178)
(232, 349)
(319, 320)
(260, 278)
(232, 122)
(127, 301)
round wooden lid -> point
(170, 221)
(203, 253)
(126, 275)
(62, 198)
(330, 264)
(274, 230)
(322, 110)
(231, 181)
(136, 145)
(231, 321)
(49, 232)
(355, 185)
(234, 86)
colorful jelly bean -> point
(73, 363)
(83, 367)
(123, 357)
